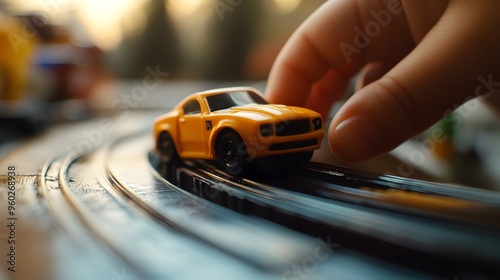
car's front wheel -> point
(232, 153)
(166, 148)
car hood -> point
(270, 112)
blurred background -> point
(65, 60)
(69, 60)
(192, 39)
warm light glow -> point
(103, 22)
(135, 23)
(103, 19)
(286, 6)
(183, 8)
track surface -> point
(138, 218)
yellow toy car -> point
(235, 126)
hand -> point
(418, 60)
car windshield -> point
(231, 99)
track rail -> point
(231, 233)
(424, 221)
(81, 220)
(305, 203)
(456, 204)
(70, 214)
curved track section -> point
(144, 213)
(254, 240)
(77, 194)
(421, 222)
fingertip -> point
(335, 147)
(354, 139)
(373, 121)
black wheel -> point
(166, 148)
(232, 153)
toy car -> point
(235, 126)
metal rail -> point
(262, 253)
(430, 237)
(77, 218)
(70, 214)
(422, 220)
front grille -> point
(293, 145)
(293, 127)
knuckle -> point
(398, 100)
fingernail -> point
(356, 138)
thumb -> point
(438, 75)
(375, 120)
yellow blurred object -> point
(17, 44)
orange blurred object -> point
(17, 44)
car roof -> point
(214, 92)
(224, 90)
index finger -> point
(314, 53)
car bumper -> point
(277, 145)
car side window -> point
(192, 108)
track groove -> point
(317, 200)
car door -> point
(191, 129)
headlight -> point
(266, 130)
(316, 123)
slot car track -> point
(261, 224)
(108, 213)
(426, 240)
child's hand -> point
(419, 60)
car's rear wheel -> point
(232, 153)
(166, 148)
